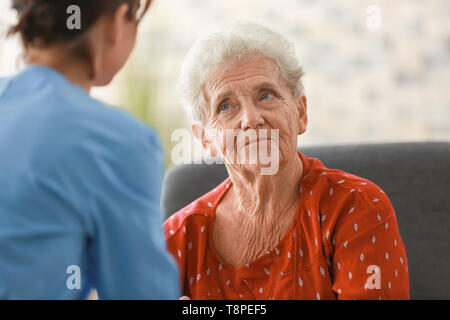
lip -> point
(257, 141)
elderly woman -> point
(304, 232)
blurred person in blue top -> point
(80, 181)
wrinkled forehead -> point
(247, 73)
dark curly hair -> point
(43, 22)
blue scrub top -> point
(80, 187)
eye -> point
(224, 107)
(266, 96)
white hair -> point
(215, 49)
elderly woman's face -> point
(250, 94)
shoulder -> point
(108, 145)
(101, 118)
(196, 215)
(85, 124)
(330, 181)
(335, 192)
(345, 206)
(4, 83)
(54, 105)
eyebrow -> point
(264, 85)
(222, 97)
(258, 87)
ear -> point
(302, 112)
(206, 140)
(117, 23)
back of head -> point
(43, 24)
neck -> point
(267, 197)
(57, 58)
(260, 209)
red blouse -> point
(344, 243)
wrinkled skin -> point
(257, 211)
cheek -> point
(132, 38)
(284, 119)
(215, 123)
(286, 122)
(221, 142)
(216, 131)
(127, 45)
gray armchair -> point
(415, 176)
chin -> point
(103, 82)
(271, 169)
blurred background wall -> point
(375, 70)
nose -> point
(251, 117)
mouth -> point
(256, 141)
